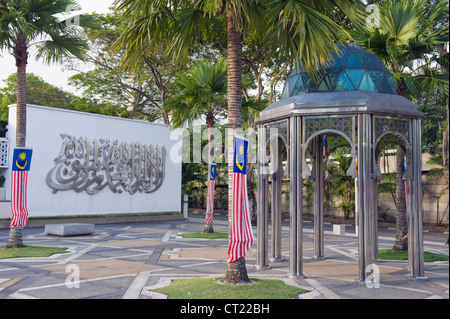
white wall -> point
(44, 128)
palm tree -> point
(200, 92)
(304, 30)
(409, 32)
(342, 185)
(27, 23)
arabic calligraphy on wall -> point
(90, 166)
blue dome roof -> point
(354, 69)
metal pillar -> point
(185, 205)
(318, 173)
(277, 176)
(414, 205)
(375, 178)
(375, 219)
(295, 199)
(356, 203)
(262, 203)
(365, 198)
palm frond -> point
(145, 29)
(38, 19)
(191, 24)
(61, 47)
(200, 90)
(305, 33)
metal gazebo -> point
(354, 104)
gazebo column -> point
(374, 214)
(318, 173)
(262, 203)
(277, 175)
(295, 199)
(376, 177)
(414, 205)
(365, 197)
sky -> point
(54, 74)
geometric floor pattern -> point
(124, 261)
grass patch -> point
(211, 288)
(31, 251)
(205, 235)
(403, 255)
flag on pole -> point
(19, 180)
(241, 235)
(212, 179)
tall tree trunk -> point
(402, 226)
(445, 144)
(21, 56)
(442, 50)
(236, 271)
(15, 238)
(208, 228)
(20, 53)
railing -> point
(4, 147)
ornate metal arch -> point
(377, 148)
(305, 150)
(388, 131)
(335, 125)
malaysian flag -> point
(241, 235)
(212, 179)
(19, 180)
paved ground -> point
(124, 261)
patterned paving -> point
(126, 260)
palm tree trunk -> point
(21, 56)
(208, 228)
(236, 271)
(442, 50)
(402, 226)
(15, 238)
(20, 53)
(445, 144)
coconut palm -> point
(304, 30)
(35, 23)
(407, 37)
(200, 92)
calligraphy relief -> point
(82, 165)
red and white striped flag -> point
(19, 182)
(212, 179)
(241, 234)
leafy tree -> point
(27, 23)
(387, 186)
(435, 173)
(304, 31)
(342, 185)
(4, 102)
(408, 33)
(200, 92)
(142, 87)
(43, 93)
(38, 92)
(433, 126)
